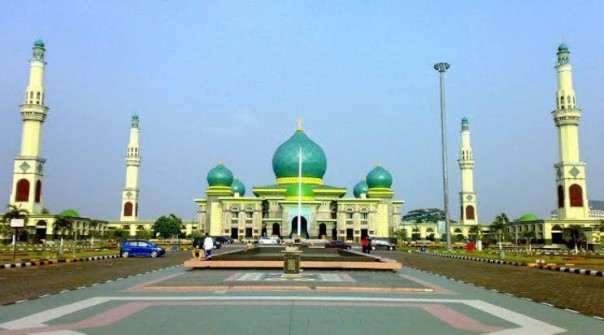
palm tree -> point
(529, 235)
(62, 224)
(574, 235)
(499, 225)
(475, 233)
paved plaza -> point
(182, 301)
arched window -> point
(461, 212)
(22, 190)
(575, 193)
(128, 209)
(470, 212)
(38, 191)
(560, 196)
(136, 209)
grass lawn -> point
(575, 261)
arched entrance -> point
(276, 229)
(322, 230)
(303, 227)
(40, 232)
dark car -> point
(381, 244)
(337, 244)
(223, 239)
(198, 243)
(132, 248)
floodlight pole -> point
(442, 68)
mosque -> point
(273, 210)
(300, 192)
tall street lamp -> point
(442, 68)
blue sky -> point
(226, 80)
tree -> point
(167, 226)
(475, 233)
(118, 234)
(498, 227)
(529, 235)
(63, 224)
(574, 236)
(425, 215)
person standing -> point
(365, 244)
(208, 245)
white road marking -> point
(38, 319)
(527, 324)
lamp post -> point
(442, 68)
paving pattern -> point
(584, 294)
(181, 301)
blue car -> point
(132, 248)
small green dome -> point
(220, 176)
(238, 187)
(359, 188)
(70, 212)
(293, 192)
(39, 43)
(379, 178)
(563, 48)
(285, 159)
(528, 217)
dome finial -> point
(379, 164)
(220, 162)
(300, 120)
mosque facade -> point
(324, 211)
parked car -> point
(198, 243)
(381, 244)
(131, 248)
(223, 239)
(265, 240)
(337, 244)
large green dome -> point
(292, 193)
(220, 176)
(285, 159)
(528, 217)
(360, 188)
(71, 213)
(379, 178)
(238, 187)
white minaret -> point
(467, 196)
(133, 160)
(28, 172)
(570, 171)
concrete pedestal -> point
(291, 263)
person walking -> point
(208, 245)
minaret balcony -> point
(33, 112)
(568, 116)
(466, 163)
(133, 161)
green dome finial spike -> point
(300, 120)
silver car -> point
(381, 244)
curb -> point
(542, 267)
(51, 262)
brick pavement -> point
(581, 293)
(31, 282)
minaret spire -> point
(29, 166)
(570, 171)
(467, 196)
(133, 159)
